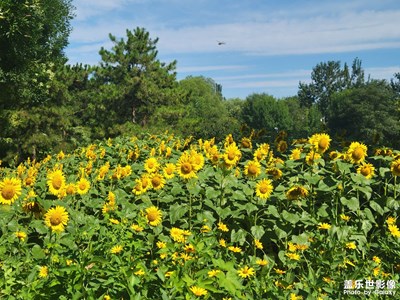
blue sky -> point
(270, 45)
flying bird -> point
(221, 43)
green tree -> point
(132, 81)
(366, 113)
(328, 78)
(203, 111)
(305, 120)
(263, 111)
(33, 35)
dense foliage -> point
(160, 217)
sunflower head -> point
(264, 188)
(83, 186)
(395, 167)
(252, 169)
(56, 182)
(153, 215)
(368, 170)
(56, 218)
(296, 192)
(10, 190)
(357, 152)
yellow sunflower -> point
(368, 170)
(70, 189)
(296, 154)
(246, 143)
(395, 167)
(252, 169)
(198, 291)
(261, 152)
(312, 157)
(151, 165)
(10, 190)
(296, 192)
(169, 170)
(153, 215)
(43, 271)
(185, 166)
(232, 155)
(56, 218)
(320, 142)
(357, 152)
(116, 249)
(246, 272)
(197, 160)
(282, 146)
(83, 186)
(56, 182)
(157, 181)
(264, 188)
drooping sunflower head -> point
(296, 192)
(252, 169)
(275, 172)
(264, 188)
(395, 167)
(153, 216)
(246, 143)
(10, 190)
(282, 146)
(56, 182)
(368, 170)
(56, 218)
(357, 152)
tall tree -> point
(133, 81)
(328, 78)
(33, 35)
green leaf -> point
(257, 231)
(281, 234)
(290, 217)
(238, 236)
(322, 211)
(353, 203)
(211, 193)
(177, 211)
(376, 207)
(37, 252)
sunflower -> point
(264, 188)
(116, 249)
(395, 167)
(169, 170)
(70, 189)
(83, 186)
(56, 182)
(153, 216)
(185, 166)
(56, 218)
(197, 160)
(246, 143)
(142, 185)
(252, 169)
(21, 235)
(282, 146)
(232, 155)
(356, 152)
(157, 181)
(10, 190)
(43, 271)
(275, 172)
(312, 157)
(213, 273)
(246, 272)
(324, 226)
(320, 142)
(198, 291)
(296, 192)
(368, 170)
(151, 165)
(261, 152)
(296, 154)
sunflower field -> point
(160, 217)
